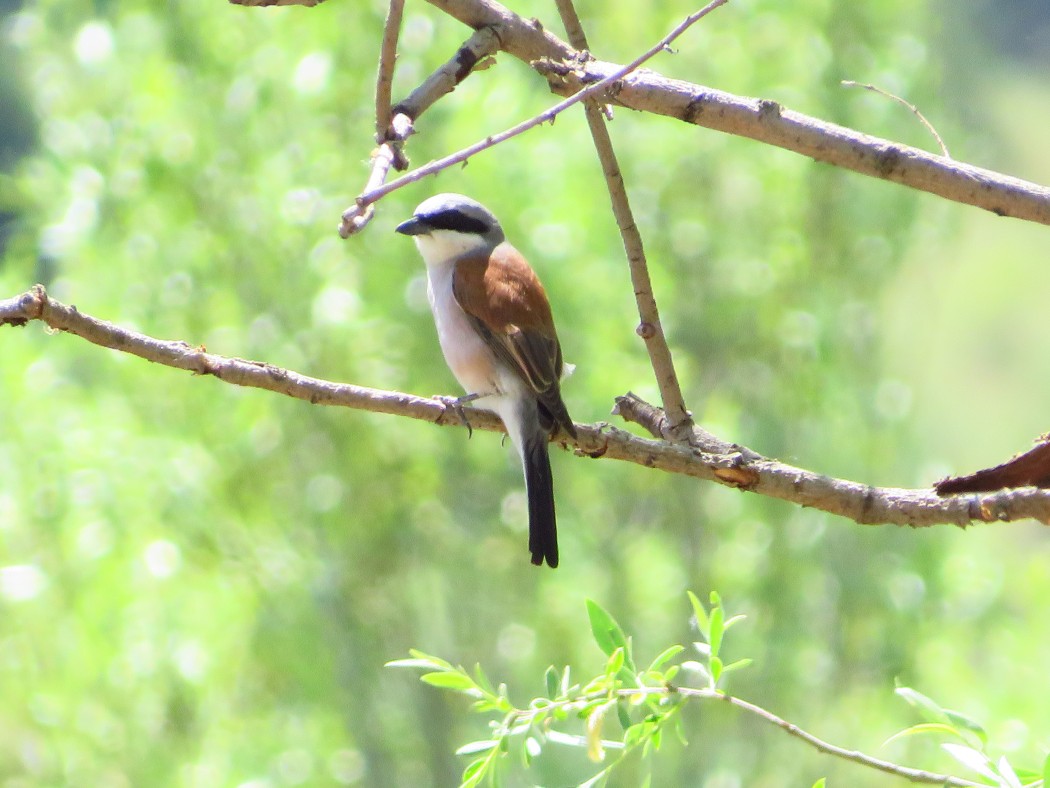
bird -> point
(496, 332)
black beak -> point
(413, 226)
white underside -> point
(474, 365)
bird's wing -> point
(506, 303)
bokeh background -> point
(199, 585)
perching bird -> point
(496, 332)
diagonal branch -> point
(907, 772)
(276, 2)
(367, 198)
(650, 329)
(759, 119)
(820, 745)
(391, 135)
(725, 463)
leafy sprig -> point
(625, 709)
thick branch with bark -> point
(767, 121)
(719, 461)
(357, 214)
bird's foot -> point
(455, 404)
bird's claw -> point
(455, 404)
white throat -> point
(444, 247)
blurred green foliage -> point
(199, 585)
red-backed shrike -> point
(495, 328)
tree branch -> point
(276, 2)
(759, 119)
(731, 465)
(650, 329)
(385, 71)
(367, 198)
(908, 773)
(473, 55)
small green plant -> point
(627, 709)
(643, 701)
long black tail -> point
(539, 487)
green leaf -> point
(971, 759)
(716, 670)
(733, 620)
(607, 633)
(421, 660)
(652, 678)
(615, 663)
(530, 748)
(1007, 776)
(1027, 776)
(680, 731)
(967, 724)
(821, 782)
(550, 678)
(438, 661)
(737, 665)
(487, 703)
(453, 681)
(589, 707)
(474, 773)
(635, 733)
(596, 780)
(482, 745)
(927, 708)
(483, 680)
(1046, 771)
(717, 628)
(923, 727)
(426, 664)
(597, 684)
(700, 614)
(671, 673)
(623, 711)
(666, 656)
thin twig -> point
(906, 772)
(384, 157)
(849, 83)
(367, 198)
(276, 2)
(385, 70)
(758, 119)
(650, 329)
(729, 465)
(473, 55)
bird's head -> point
(448, 226)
